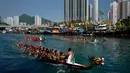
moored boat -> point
(4, 31)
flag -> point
(101, 12)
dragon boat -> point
(93, 60)
(33, 38)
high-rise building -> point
(119, 9)
(37, 20)
(9, 21)
(66, 10)
(16, 20)
(75, 10)
(109, 15)
(95, 15)
(90, 12)
(123, 9)
(113, 10)
(128, 7)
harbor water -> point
(116, 52)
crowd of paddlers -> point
(78, 39)
(42, 52)
(52, 54)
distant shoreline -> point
(96, 34)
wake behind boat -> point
(57, 57)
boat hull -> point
(72, 66)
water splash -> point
(60, 71)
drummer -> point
(70, 59)
(70, 52)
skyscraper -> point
(66, 10)
(95, 15)
(37, 20)
(9, 21)
(90, 12)
(75, 10)
(113, 10)
(119, 11)
(109, 15)
(128, 7)
(16, 20)
(122, 10)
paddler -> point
(40, 38)
(70, 59)
(58, 55)
(44, 38)
(95, 40)
(62, 57)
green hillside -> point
(31, 20)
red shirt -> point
(70, 53)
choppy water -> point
(115, 51)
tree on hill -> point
(123, 24)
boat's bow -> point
(93, 62)
(96, 61)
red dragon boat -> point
(33, 38)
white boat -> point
(4, 31)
